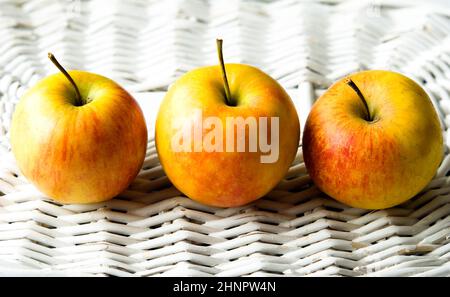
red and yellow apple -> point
(225, 178)
(78, 136)
(373, 140)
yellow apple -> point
(80, 142)
(213, 173)
(373, 140)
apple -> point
(217, 110)
(80, 142)
(373, 140)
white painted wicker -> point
(151, 229)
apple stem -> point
(52, 58)
(219, 43)
(355, 88)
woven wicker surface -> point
(151, 229)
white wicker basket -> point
(151, 229)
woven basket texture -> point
(152, 229)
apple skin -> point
(226, 179)
(79, 154)
(378, 164)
